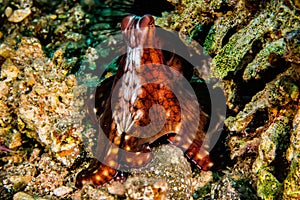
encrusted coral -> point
(292, 181)
(274, 20)
(255, 49)
(279, 92)
(43, 99)
(43, 104)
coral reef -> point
(41, 107)
(291, 183)
(255, 50)
(43, 99)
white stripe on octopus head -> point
(130, 22)
(138, 24)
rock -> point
(45, 100)
(22, 196)
(50, 179)
(19, 15)
(146, 188)
(6, 50)
(16, 140)
(88, 192)
(116, 188)
(230, 188)
(169, 170)
(291, 183)
(292, 40)
(8, 11)
(9, 70)
(62, 191)
(268, 187)
(19, 181)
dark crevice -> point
(2, 59)
(252, 87)
(253, 5)
(224, 7)
(200, 33)
(260, 118)
(229, 33)
(220, 154)
(162, 140)
(153, 7)
(280, 163)
(244, 91)
(202, 92)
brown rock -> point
(19, 15)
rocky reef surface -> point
(255, 50)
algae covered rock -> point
(255, 50)
(254, 47)
(170, 170)
(42, 107)
(292, 181)
(43, 99)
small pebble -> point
(19, 15)
(53, 17)
(22, 196)
(116, 188)
(62, 191)
(8, 11)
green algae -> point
(210, 38)
(292, 182)
(279, 92)
(268, 187)
(202, 192)
(232, 54)
(270, 143)
(231, 57)
(261, 61)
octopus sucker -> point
(140, 84)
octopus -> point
(148, 103)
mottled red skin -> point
(151, 61)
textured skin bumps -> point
(143, 108)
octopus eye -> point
(146, 20)
(126, 22)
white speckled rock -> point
(168, 170)
(62, 191)
(19, 15)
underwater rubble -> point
(255, 50)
